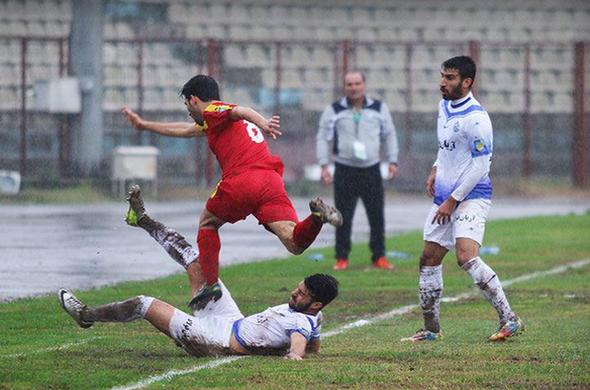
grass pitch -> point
(42, 348)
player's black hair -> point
(202, 86)
(464, 65)
(323, 288)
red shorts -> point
(257, 192)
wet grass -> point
(553, 353)
(78, 193)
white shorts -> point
(208, 331)
(467, 221)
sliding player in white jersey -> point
(290, 329)
(462, 191)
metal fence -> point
(536, 95)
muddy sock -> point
(173, 242)
(306, 231)
(490, 286)
(129, 310)
(431, 287)
(209, 247)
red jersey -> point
(237, 145)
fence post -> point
(345, 59)
(527, 124)
(580, 136)
(212, 51)
(64, 123)
(23, 107)
(408, 109)
(140, 88)
(475, 54)
(278, 79)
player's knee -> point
(208, 223)
(294, 249)
(463, 257)
(425, 259)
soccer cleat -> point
(341, 265)
(136, 209)
(423, 335)
(509, 329)
(327, 214)
(73, 307)
(205, 295)
(382, 263)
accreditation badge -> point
(360, 150)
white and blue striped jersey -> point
(272, 328)
(465, 145)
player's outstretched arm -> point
(169, 129)
(269, 127)
(298, 344)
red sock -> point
(306, 231)
(209, 246)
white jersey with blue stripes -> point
(272, 328)
(465, 145)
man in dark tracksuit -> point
(358, 126)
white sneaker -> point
(74, 307)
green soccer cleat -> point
(205, 295)
(136, 209)
(326, 213)
(509, 329)
(424, 335)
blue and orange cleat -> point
(509, 329)
(424, 335)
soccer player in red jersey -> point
(251, 179)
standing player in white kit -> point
(462, 192)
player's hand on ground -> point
(443, 214)
(133, 117)
(293, 356)
(273, 127)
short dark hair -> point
(323, 288)
(464, 65)
(202, 86)
(356, 71)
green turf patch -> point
(42, 348)
(84, 192)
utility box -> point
(58, 96)
(134, 163)
(9, 182)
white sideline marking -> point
(52, 349)
(356, 324)
(406, 309)
(173, 373)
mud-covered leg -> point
(172, 241)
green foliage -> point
(553, 352)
